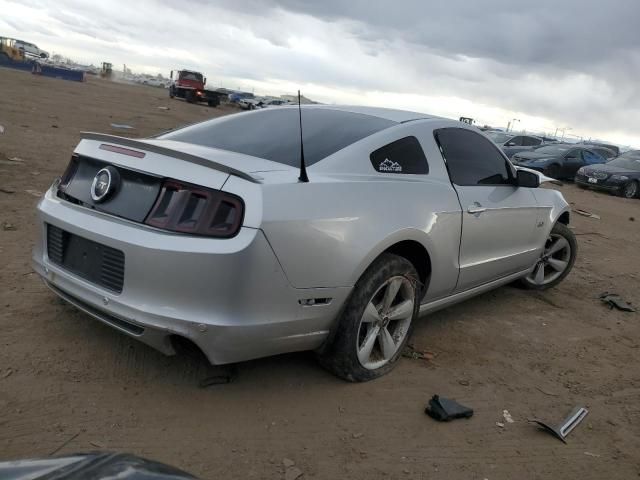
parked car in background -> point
(251, 103)
(620, 176)
(558, 160)
(274, 102)
(235, 97)
(511, 144)
(31, 49)
(213, 234)
(614, 148)
(155, 82)
(605, 152)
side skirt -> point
(472, 292)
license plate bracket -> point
(93, 261)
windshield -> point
(191, 76)
(498, 137)
(554, 149)
(629, 160)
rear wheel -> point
(630, 190)
(556, 260)
(552, 171)
(376, 322)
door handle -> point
(476, 208)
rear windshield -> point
(274, 134)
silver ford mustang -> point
(214, 234)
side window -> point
(577, 154)
(516, 141)
(402, 156)
(590, 158)
(532, 141)
(472, 159)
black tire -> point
(340, 355)
(562, 230)
(552, 171)
(172, 92)
(213, 102)
(190, 96)
(630, 189)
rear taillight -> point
(186, 208)
(68, 173)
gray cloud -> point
(572, 62)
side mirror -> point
(205, 81)
(171, 75)
(527, 179)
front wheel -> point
(552, 171)
(556, 260)
(376, 322)
(630, 190)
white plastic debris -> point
(507, 416)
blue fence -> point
(44, 70)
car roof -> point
(523, 135)
(394, 115)
(587, 146)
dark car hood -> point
(526, 156)
(91, 466)
(611, 169)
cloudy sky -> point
(571, 64)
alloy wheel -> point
(385, 322)
(630, 190)
(553, 261)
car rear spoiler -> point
(187, 157)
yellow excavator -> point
(8, 48)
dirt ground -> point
(69, 383)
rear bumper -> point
(229, 296)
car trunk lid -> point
(138, 169)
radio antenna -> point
(303, 168)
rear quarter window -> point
(402, 156)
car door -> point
(499, 219)
(571, 163)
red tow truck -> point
(190, 85)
